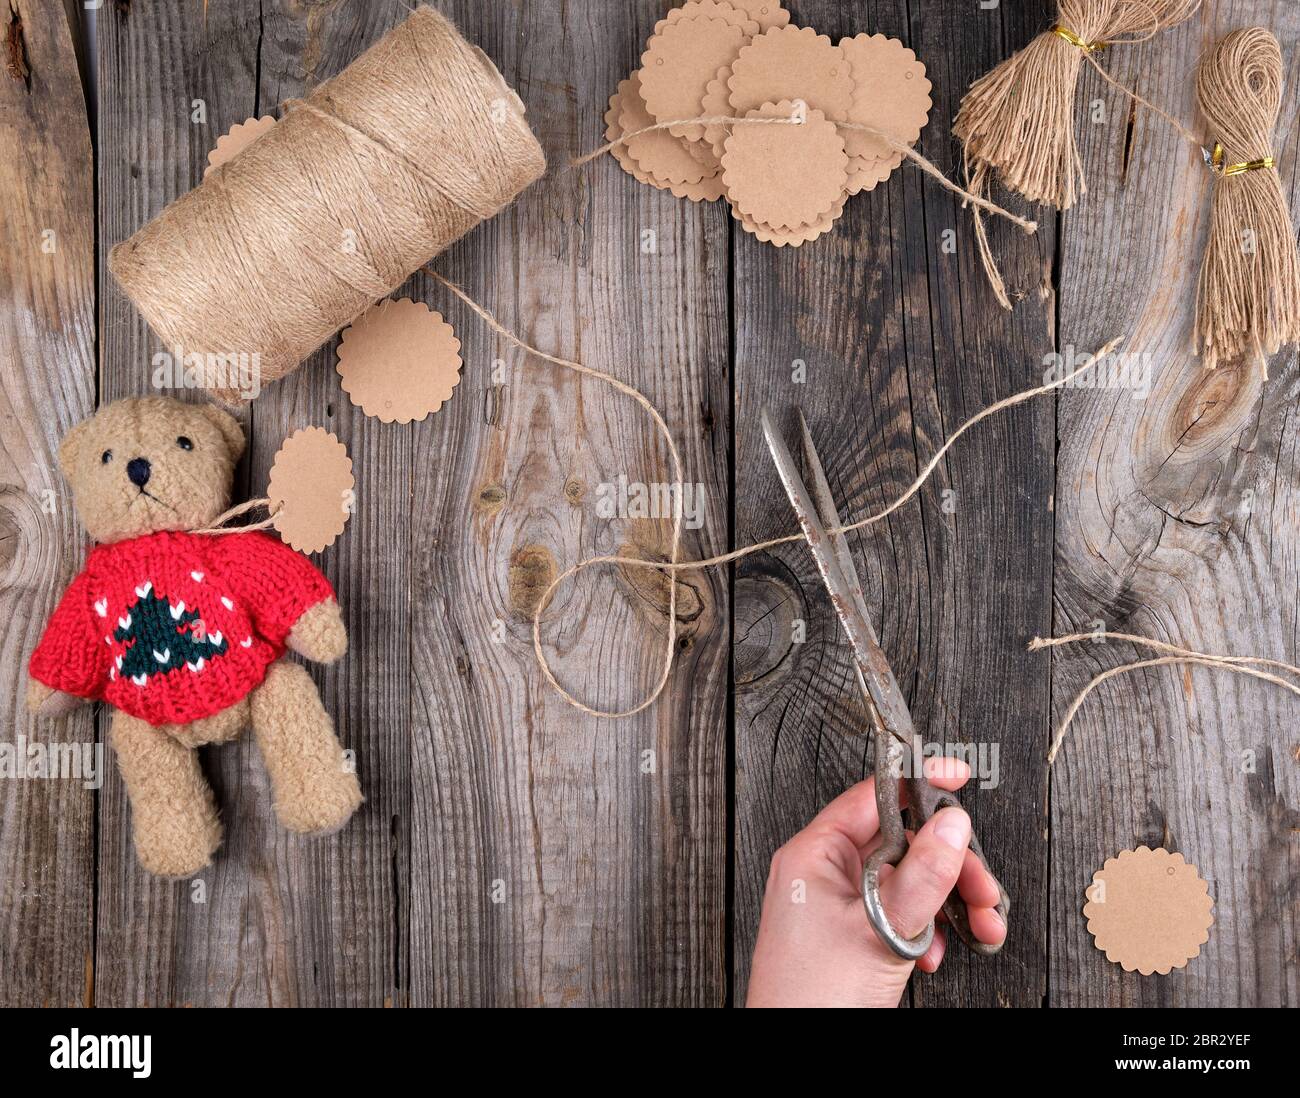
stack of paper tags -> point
(785, 183)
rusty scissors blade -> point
(892, 720)
(820, 523)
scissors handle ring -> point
(910, 949)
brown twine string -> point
(927, 166)
(673, 565)
(1017, 121)
(1241, 665)
(1248, 296)
(219, 523)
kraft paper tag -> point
(657, 153)
(311, 489)
(678, 64)
(400, 362)
(788, 189)
(614, 131)
(792, 63)
(792, 238)
(866, 175)
(1148, 910)
(711, 9)
(717, 104)
(703, 152)
(785, 176)
(235, 140)
(708, 189)
(766, 13)
(893, 95)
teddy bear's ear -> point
(229, 428)
(70, 449)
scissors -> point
(893, 731)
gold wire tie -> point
(1075, 40)
(1216, 162)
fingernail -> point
(952, 828)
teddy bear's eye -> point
(184, 443)
(106, 457)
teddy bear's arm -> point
(71, 657)
(44, 701)
(319, 635)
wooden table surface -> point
(514, 852)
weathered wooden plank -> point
(902, 341)
(47, 383)
(279, 919)
(1175, 520)
(340, 895)
(547, 865)
(153, 63)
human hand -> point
(815, 946)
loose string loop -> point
(674, 564)
(1175, 655)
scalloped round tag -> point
(311, 489)
(235, 140)
(400, 361)
(1149, 911)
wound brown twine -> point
(357, 186)
(674, 565)
(1241, 665)
(1248, 297)
(1017, 121)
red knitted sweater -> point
(174, 627)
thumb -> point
(916, 890)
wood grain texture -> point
(1175, 520)
(280, 919)
(515, 852)
(558, 858)
(47, 383)
(155, 939)
(902, 341)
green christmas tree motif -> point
(161, 637)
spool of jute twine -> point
(357, 186)
(1017, 121)
(1248, 297)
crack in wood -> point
(16, 49)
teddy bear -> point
(184, 633)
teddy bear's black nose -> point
(137, 471)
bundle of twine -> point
(1248, 297)
(360, 184)
(1017, 122)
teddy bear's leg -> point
(316, 791)
(173, 814)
